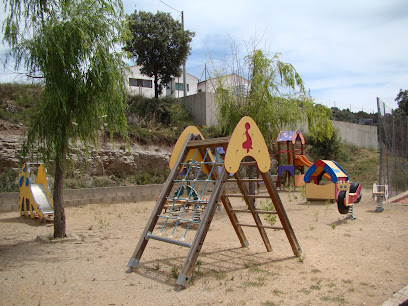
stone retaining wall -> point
(75, 197)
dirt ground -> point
(359, 262)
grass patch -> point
(305, 291)
(254, 284)
(364, 167)
(175, 271)
(337, 299)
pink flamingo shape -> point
(248, 143)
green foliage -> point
(117, 179)
(211, 131)
(70, 46)
(270, 218)
(175, 271)
(402, 100)
(18, 102)
(325, 148)
(166, 111)
(8, 180)
(159, 44)
(360, 117)
(157, 120)
(271, 100)
(146, 178)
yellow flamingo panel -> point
(247, 140)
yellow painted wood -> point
(247, 140)
(320, 192)
(337, 171)
(190, 155)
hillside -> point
(153, 129)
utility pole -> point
(184, 63)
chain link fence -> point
(393, 145)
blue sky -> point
(347, 52)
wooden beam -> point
(161, 201)
(227, 206)
(188, 267)
(268, 212)
(251, 207)
(208, 143)
(282, 213)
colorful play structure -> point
(203, 157)
(35, 197)
(291, 163)
(290, 158)
(339, 188)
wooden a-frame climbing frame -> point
(192, 150)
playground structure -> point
(380, 193)
(339, 188)
(203, 157)
(35, 197)
(292, 153)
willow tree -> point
(275, 98)
(70, 47)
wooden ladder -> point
(217, 195)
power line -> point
(170, 6)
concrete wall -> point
(9, 201)
(364, 136)
(202, 108)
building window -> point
(140, 83)
(180, 87)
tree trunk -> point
(59, 212)
(156, 87)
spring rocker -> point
(35, 197)
(339, 188)
(380, 193)
(193, 153)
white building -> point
(140, 84)
(233, 82)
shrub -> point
(8, 180)
(166, 111)
(328, 148)
(18, 101)
(146, 178)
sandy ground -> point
(360, 262)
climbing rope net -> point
(186, 203)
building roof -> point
(223, 76)
(173, 76)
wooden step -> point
(268, 212)
(262, 226)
